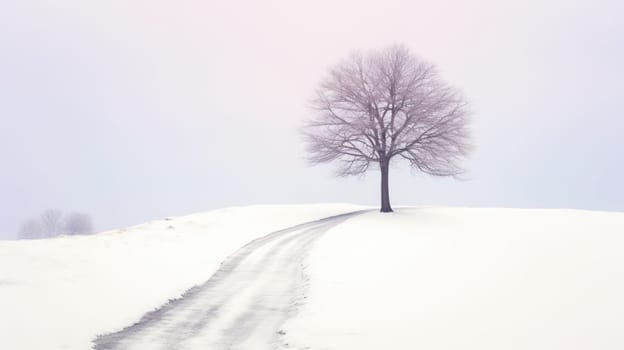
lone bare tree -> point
(78, 224)
(385, 104)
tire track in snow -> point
(242, 305)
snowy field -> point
(60, 293)
(451, 278)
(419, 278)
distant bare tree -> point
(386, 104)
(52, 222)
(30, 229)
(78, 224)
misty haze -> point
(323, 175)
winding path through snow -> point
(242, 306)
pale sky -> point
(136, 110)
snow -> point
(453, 278)
(60, 293)
(429, 278)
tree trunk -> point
(385, 193)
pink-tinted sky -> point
(132, 110)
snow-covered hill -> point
(452, 278)
(429, 278)
(60, 293)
